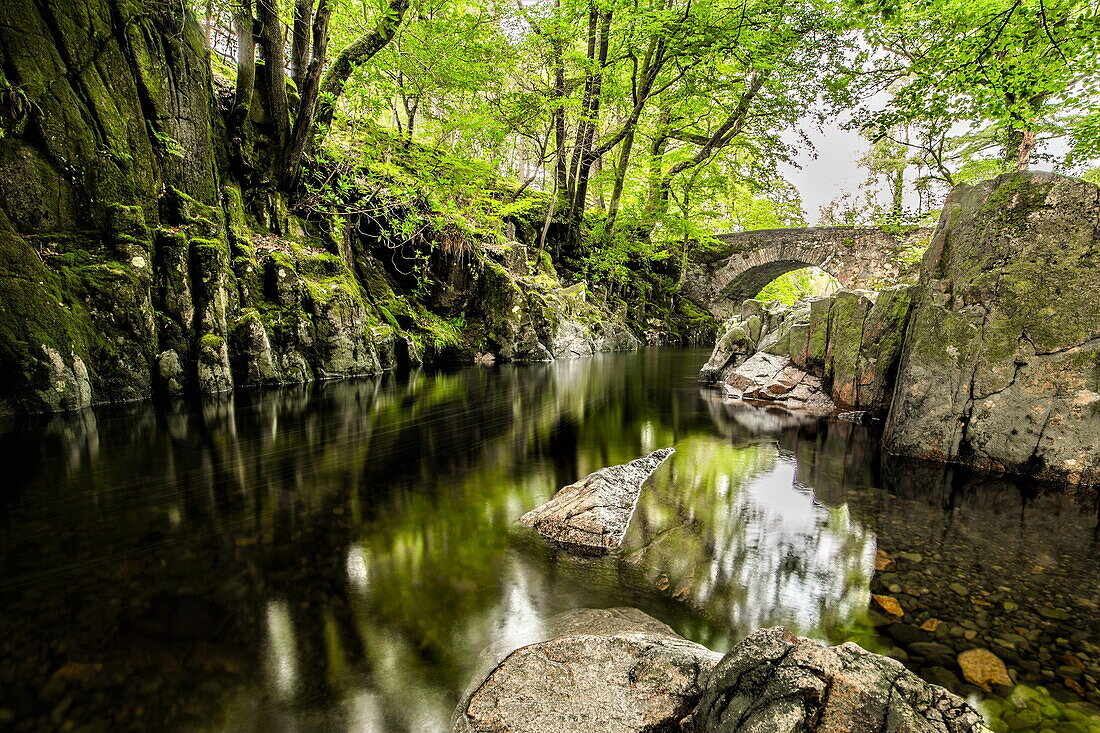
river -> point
(336, 556)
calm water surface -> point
(335, 557)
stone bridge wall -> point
(859, 257)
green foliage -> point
(1026, 67)
(619, 138)
(798, 284)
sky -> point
(834, 170)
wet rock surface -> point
(772, 378)
(612, 670)
(775, 681)
(593, 514)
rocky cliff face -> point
(132, 262)
(1001, 366)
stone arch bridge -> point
(859, 257)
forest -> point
(637, 131)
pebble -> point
(959, 588)
(1054, 614)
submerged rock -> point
(593, 514)
(601, 670)
(984, 668)
(775, 681)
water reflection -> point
(337, 556)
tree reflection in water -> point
(339, 555)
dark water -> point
(335, 557)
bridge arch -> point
(858, 257)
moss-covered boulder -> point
(1001, 362)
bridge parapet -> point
(859, 257)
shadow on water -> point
(336, 556)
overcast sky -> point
(834, 170)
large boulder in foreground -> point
(777, 682)
(603, 670)
(592, 515)
(1001, 363)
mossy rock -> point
(999, 362)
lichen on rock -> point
(1002, 356)
(775, 681)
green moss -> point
(818, 336)
(208, 245)
(388, 316)
(321, 266)
(35, 311)
(126, 223)
(212, 341)
(201, 220)
(282, 259)
(240, 233)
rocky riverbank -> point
(823, 354)
(989, 361)
(143, 252)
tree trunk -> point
(308, 93)
(354, 55)
(584, 154)
(300, 41)
(586, 101)
(245, 26)
(273, 77)
(897, 195)
(1027, 144)
(561, 175)
(620, 179)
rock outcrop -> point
(776, 379)
(136, 257)
(1001, 364)
(775, 681)
(621, 670)
(600, 670)
(592, 515)
(824, 353)
(992, 360)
